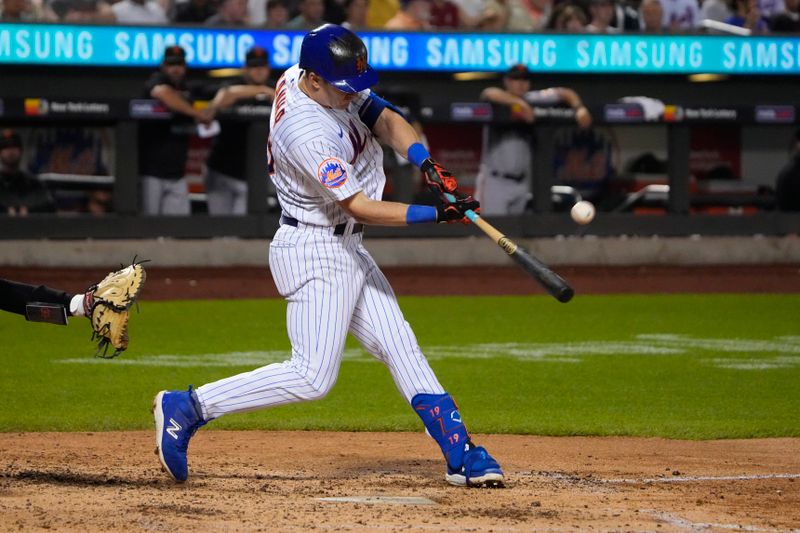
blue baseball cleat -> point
(177, 418)
(479, 469)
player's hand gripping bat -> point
(552, 282)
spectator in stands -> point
(469, 12)
(83, 11)
(226, 180)
(380, 11)
(746, 14)
(194, 11)
(230, 13)
(16, 11)
(277, 14)
(334, 11)
(504, 178)
(26, 11)
(567, 18)
(652, 16)
(787, 186)
(413, 15)
(444, 14)
(311, 13)
(164, 144)
(20, 192)
(788, 21)
(715, 10)
(601, 13)
(139, 12)
(680, 15)
(355, 14)
(770, 8)
(626, 17)
(516, 15)
(257, 12)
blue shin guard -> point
(440, 415)
(467, 465)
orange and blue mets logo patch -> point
(361, 64)
(332, 173)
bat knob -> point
(565, 295)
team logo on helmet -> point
(332, 173)
(361, 64)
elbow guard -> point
(372, 108)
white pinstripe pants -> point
(332, 286)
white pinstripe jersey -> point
(319, 155)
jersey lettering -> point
(358, 142)
(280, 100)
(270, 160)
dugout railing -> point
(125, 222)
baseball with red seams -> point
(582, 212)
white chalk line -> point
(695, 479)
(683, 523)
(577, 478)
(776, 353)
(378, 500)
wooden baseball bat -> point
(552, 282)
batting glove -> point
(438, 179)
(456, 211)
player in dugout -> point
(504, 179)
(20, 192)
(325, 160)
(226, 182)
(164, 144)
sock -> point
(440, 415)
(76, 305)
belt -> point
(339, 229)
(508, 176)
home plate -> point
(391, 500)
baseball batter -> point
(504, 179)
(325, 162)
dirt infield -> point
(273, 481)
(249, 282)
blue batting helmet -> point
(339, 57)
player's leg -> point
(176, 197)
(495, 193)
(379, 324)
(239, 206)
(218, 198)
(321, 282)
(518, 196)
(152, 191)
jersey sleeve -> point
(154, 80)
(544, 97)
(323, 164)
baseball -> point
(582, 212)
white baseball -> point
(582, 212)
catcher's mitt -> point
(107, 304)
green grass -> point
(578, 369)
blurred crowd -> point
(574, 16)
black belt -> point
(339, 229)
(508, 176)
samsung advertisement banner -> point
(125, 46)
